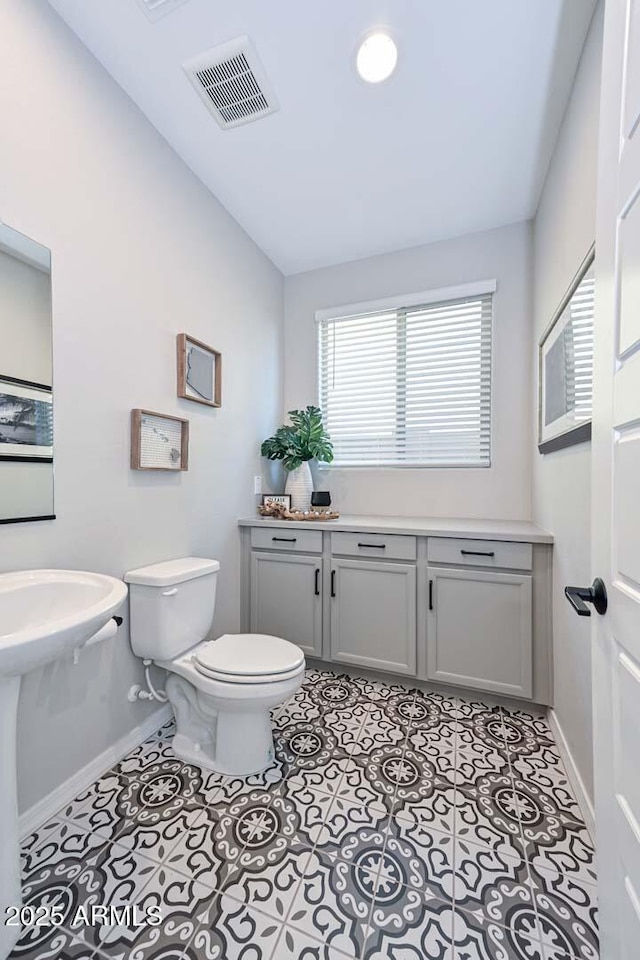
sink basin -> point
(44, 614)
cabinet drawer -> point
(480, 553)
(374, 545)
(278, 538)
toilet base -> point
(192, 752)
(233, 741)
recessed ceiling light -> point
(377, 57)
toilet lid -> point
(250, 656)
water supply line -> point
(136, 692)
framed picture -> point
(199, 372)
(26, 421)
(283, 498)
(159, 441)
(565, 366)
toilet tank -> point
(171, 606)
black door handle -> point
(579, 597)
(430, 594)
(333, 583)
(373, 546)
(284, 539)
(317, 587)
(478, 553)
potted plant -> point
(295, 444)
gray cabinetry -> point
(286, 599)
(479, 630)
(373, 614)
(357, 592)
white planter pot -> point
(300, 485)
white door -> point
(616, 486)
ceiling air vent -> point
(232, 83)
(154, 9)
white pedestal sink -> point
(44, 614)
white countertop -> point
(516, 530)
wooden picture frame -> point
(284, 498)
(199, 371)
(157, 443)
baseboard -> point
(46, 808)
(584, 800)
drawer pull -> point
(284, 539)
(333, 583)
(373, 546)
(478, 553)
(317, 582)
(430, 594)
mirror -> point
(26, 394)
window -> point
(409, 385)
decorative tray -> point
(278, 511)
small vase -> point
(300, 485)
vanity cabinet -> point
(286, 599)
(479, 630)
(373, 614)
(463, 604)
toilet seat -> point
(248, 658)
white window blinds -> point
(409, 386)
(579, 349)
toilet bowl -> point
(221, 691)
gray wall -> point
(140, 252)
(564, 229)
(504, 490)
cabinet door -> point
(286, 599)
(373, 614)
(479, 630)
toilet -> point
(221, 690)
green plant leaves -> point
(305, 439)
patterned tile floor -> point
(392, 824)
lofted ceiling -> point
(458, 140)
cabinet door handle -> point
(284, 539)
(373, 546)
(333, 583)
(430, 594)
(317, 582)
(478, 553)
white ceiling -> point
(457, 141)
